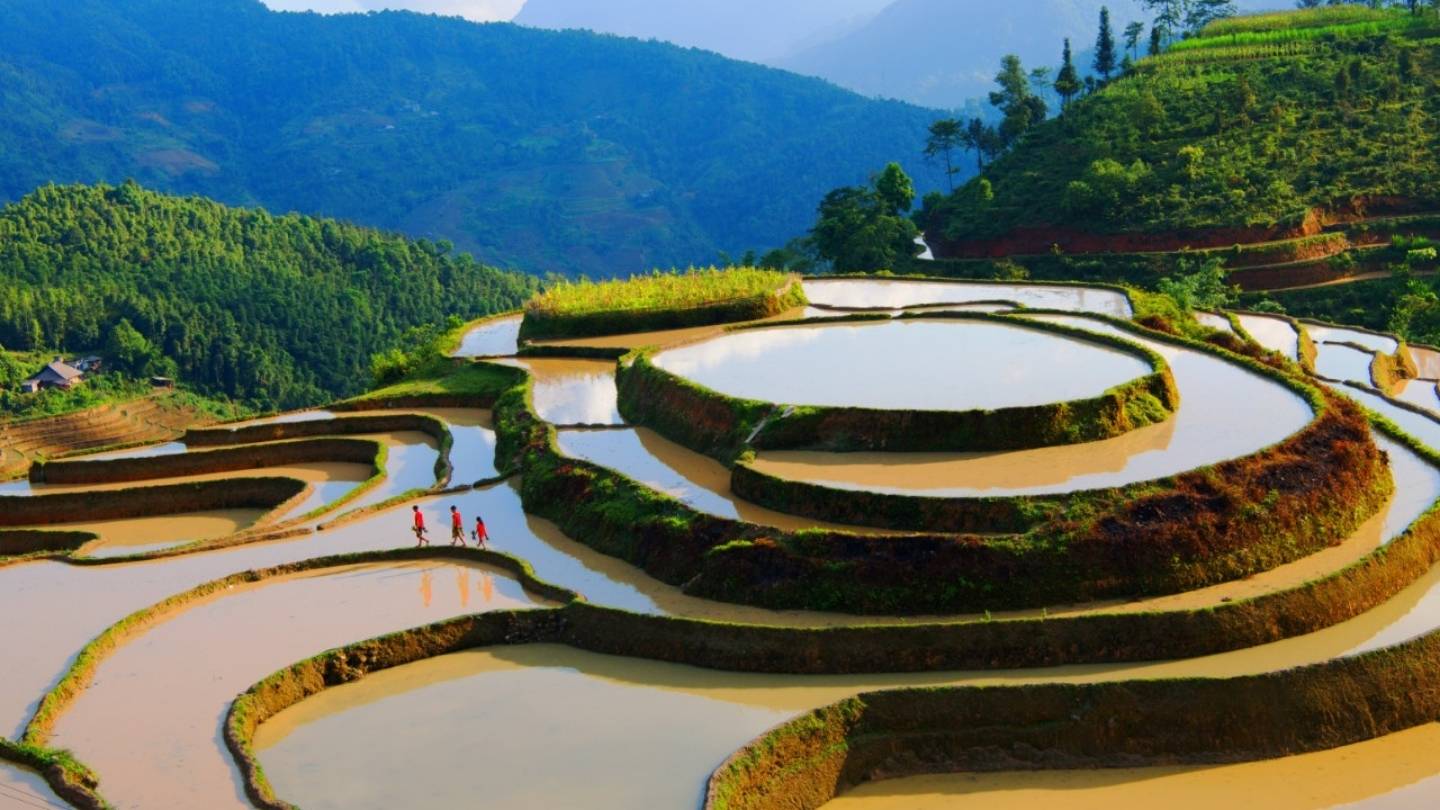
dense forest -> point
(276, 311)
(548, 151)
(1250, 123)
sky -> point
(478, 10)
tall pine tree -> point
(1105, 46)
(1067, 81)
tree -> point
(1156, 42)
(1105, 46)
(1132, 39)
(128, 350)
(864, 229)
(946, 135)
(1067, 81)
(983, 140)
(1200, 13)
(895, 190)
(1022, 109)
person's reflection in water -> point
(462, 579)
(487, 588)
(425, 587)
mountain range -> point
(564, 152)
(937, 53)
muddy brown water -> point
(1398, 772)
(150, 722)
(1273, 333)
(493, 338)
(126, 536)
(552, 707)
(699, 481)
(923, 365)
(573, 392)
(1216, 422)
(21, 788)
(909, 294)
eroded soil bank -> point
(1398, 772)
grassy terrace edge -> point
(551, 316)
(725, 427)
(738, 562)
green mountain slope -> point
(1267, 127)
(278, 311)
(550, 151)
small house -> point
(57, 374)
(162, 383)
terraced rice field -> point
(589, 666)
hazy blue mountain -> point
(550, 151)
(942, 52)
(756, 30)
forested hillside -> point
(274, 310)
(1262, 127)
(544, 150)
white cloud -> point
(477, 10)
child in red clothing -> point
(480, 534)
(419, 529)
(457, 527)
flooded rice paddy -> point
(543, 726)
(1216, 422)
(1334, 361)
(573, 392)
(497, 337)
(151, 719)
(865, 294)
(21, 789)
(915, 365)
(1273, 333)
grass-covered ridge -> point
(1263, 128)
(277, 311)
(697, 297)
(657, 291)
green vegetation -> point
(274, 311)
(867, 228)
(479, 381)
(540, 150)
(1222, 133)
(656, 291)
(660, 301)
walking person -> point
(419, 529)
(480, 534)
(457, 527)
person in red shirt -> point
(457, 527)
(419, 529)
(480, 534)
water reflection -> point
(573, 392)
(1216, 422)
(1273, 333)
(494, 338)
(927, 365)
(862, 293)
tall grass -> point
(695, 287)
(1325, 16)
(1279, 36)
